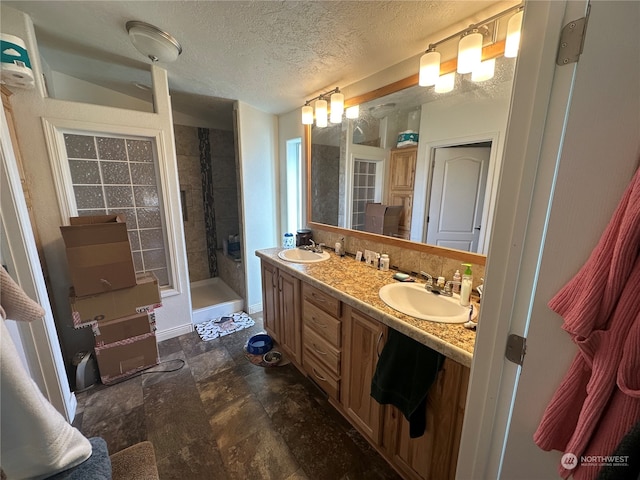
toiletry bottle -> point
(384, 262)
(456, 278)
(467, 283)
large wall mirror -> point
(416, 165)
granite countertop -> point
(357, 285)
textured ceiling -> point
(269, 54)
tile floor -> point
(220, 417)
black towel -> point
(629, 466)
(406, 370)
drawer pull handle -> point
(315, 347)
(378, 344)
(317, 322)
(318, 375)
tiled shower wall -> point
(188, 156)
(225, 194)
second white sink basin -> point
(414, 300)
(299, 255)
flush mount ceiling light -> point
(152, 42)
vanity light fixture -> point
(152, 42)
(469, 51)
(321, 111)
(445, 83)
(469, 59)
(353, 112)
(337, 107)
(307, 114)
(513, 35)
(429, 67)
(484, 71)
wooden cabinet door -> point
(434, 455)
(270, 292)
(290, 334)
(406, 200)
(403, 169)
(363, 339)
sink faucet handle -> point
(428, 277)
(448, 287)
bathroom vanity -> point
(328, 318)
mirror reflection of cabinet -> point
(402, 174)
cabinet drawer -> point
(325, 302)
(321, 375)
(322, 349)
(324, 324)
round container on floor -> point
(259, 344)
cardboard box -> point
(122, 359)
(98, 254)
(382, 219)
(119, 329)
(143, 297)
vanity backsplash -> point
(403, 259)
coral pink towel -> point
(599, 398)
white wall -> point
(30, 106)
(460, 119)
(75, 90)
(257, 134)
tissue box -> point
(406, 138)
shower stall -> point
(209, 195)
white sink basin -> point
(412, 299)
(298, 255)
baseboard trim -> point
(174, 332)
(255, 308)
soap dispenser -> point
(467, 284)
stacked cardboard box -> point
(382, 219)
(109, 297)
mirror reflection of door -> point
(367, 184)
(457, 197)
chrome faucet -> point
(448, 288)
(313, 247)
(429, 284)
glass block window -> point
(364, 190)
(118, 176)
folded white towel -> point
(35, 439)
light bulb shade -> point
(307, 115)
(469, 52)
(337, 107)
(429, 69)
(152, 42)
(512, 43)
(484, 71)
(321, 113)
(353, 111)
(445, 83)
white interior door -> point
(545, 229)
(599, 126)
(458, 186)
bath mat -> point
(225, 325)
(258, 360)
